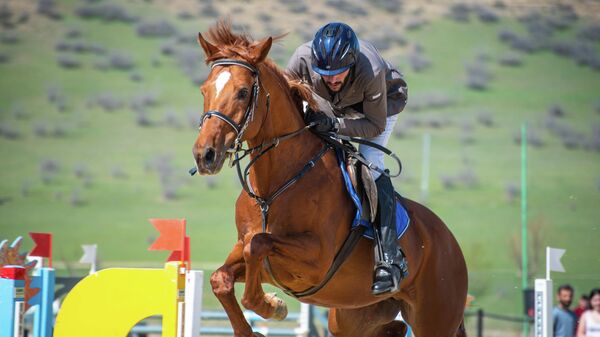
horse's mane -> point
(232, 45)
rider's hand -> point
(323, 123)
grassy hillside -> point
(91, 152)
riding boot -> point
(391, 266)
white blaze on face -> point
(221, 81)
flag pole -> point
(547, 263)
(524, 270)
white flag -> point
(89, 254)
(553, 255)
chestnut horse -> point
(248, 99)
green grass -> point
(563, 191)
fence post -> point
(479, 322)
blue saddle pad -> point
(402, 218)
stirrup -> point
(390, 277)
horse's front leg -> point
(297, 247)
(222, 282)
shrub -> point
(448, 182)
(459, 12)
(209, 11)
(525, 44)
(59, 131)
(136, 77)
(466, 133)
(348, 7)
(76, 199)
(19, 112)
(8, 131)
(121, 61)
(189, 59)
(54, 94)
(486, 118)
(81, 170)
(513, 191)
(9, 37)
(193, 119)
(590, 32)
(533, 138)
(4, 58)
(106, 12)
(154, 29)
(414, 23)
(390, 6)
(49, 168)
(468, 177)
(41, 129)
(594, 141)
(117, 172)
(185, 15)
(168, 48)
(108, 102)
(68, 62)
(25, 188)
(511, 60)
(142, 118)
(556, 111)
(486, 14)
(478, 76)
(141, 101)
(212, 182)
(400, 130)
(73, 33)
(47, 8)
(169, 181)
(96, 49)
(418, 61)
(172, 120)
(507, 36)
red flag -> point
(176, 255)
(43, 246)
(172, 234)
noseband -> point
(249, 114)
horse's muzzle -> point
(208, 160)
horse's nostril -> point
(209, 155)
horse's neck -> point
(280, 164)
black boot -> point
(390, 263)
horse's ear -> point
(209, 49)
(261, 49)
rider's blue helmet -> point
(334, 49)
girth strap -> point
(355, 234)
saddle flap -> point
(364, 184)
(370, 190)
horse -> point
(291, 226)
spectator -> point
(584, 304)
(564, 318)
(590, 320)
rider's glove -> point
(323, 123)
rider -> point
(366, 94)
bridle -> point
(249, 114)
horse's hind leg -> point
(371, 321)
(222, 282)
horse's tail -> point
(461, 329)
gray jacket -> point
(373, 90)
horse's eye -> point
(242, 94)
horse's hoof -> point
(257, 334)
(281, 310)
